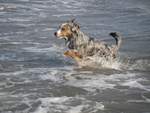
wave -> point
(68, 105)
(140, 64)
(98, 81)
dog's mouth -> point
(60, 37)
(65, 38)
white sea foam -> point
(144, 100)
(76, 109)
(57, 74)
(91, 85)
(92, 82)
(51, 104)
(54, 74)
(64, 104)
(140, 64)
(135, 83)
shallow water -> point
(35, 77)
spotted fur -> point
(80, 43)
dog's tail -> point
(118, 39)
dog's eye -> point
(62, 29)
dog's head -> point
(67, 29)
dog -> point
(82, 47)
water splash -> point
(100, 62)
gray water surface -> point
(35, 77)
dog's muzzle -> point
(60, 37)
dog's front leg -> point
(73, 54)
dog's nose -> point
(55, 33)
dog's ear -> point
(75, 27)
(72, 20)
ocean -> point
(35, 76)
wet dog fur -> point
(82, 46)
